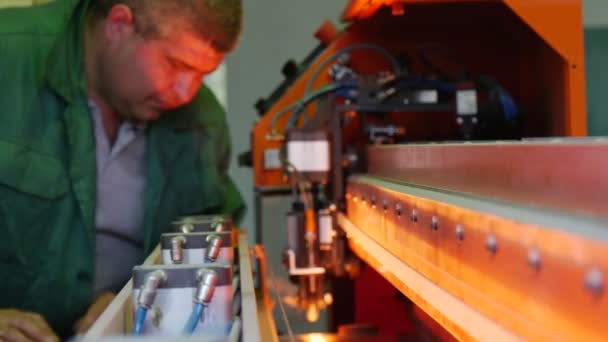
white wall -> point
(595, 13)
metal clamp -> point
(294, 271)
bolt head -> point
(187, 228)
(534, 259)
(594, 281)
(398, 209)
(414, 217)
(460, 232)
(435, 223)
(385, 205)
(491, 244)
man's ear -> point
(120, 22)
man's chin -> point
(148, 115)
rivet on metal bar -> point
(534, 259)
(435, 223)
(491, 244)
(460, 232)
(594, 281)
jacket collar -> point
(65, 64)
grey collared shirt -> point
(119, 216)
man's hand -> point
(95, 310)
(18, 326)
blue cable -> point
(140, 318)
(295, 116)
(302, 103)
(509, 107)
(195, 317)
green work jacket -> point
(48, 166)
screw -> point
(373, 200)
(414, 218)
(595, 281)
(459, 232)
(398, 209)
(385, 205)
(157, 316)
(435, 223)
(491, 243)
(534, 259)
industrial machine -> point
(439, 182)
(434, 149)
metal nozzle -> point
(312, 313)
(177, 249)
(147, 293)
(207, 279)
(219, 227)
(219, 224)
(213, 248)
(187, 228)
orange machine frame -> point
(534, 47)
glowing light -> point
(312, 313)
(316, 338)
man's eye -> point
(175, 64)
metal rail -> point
(509, 263)
(562, 174)
(457, 317)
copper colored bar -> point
(564, 175)
(530, 271)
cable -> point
(341, 90)
(302, 184)
(280, 300)
(140, 318)
(207, 281)
(508, 105)
(451, 55)
(146, 297)
(195, 317)
(302, 103)
(381, 50)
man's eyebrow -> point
(188, 63)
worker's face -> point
(143, 77)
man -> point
(106, 135)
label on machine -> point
(309, 156)
(326, 230)
(466, 102)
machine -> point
(440, 187)
(435, 149)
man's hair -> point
(217, 21)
